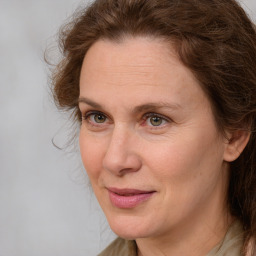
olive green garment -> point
(120, 247)
(231, 245)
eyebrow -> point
(137, 109)
(89, 102)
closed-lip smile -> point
(128, 198)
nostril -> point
(122, 164)
(121, 156)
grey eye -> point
(155, 120)
(99, 118)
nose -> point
(121, 156)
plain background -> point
(46, 204)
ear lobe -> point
(236, 144)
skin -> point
(183, 158)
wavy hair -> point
(215, 39)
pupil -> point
(156, 121)
(99, 118)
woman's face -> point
(148, 139)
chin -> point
(130, 227)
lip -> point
(128, 198)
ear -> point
(236, 142)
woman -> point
(165, 92)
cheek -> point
(91, 154)
(186, 162)
(186, 175)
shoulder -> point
(232, 243)
(120, 247)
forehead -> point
(143, 48)
(139, 69)
(141, 54)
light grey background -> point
(46, 205)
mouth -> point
(128, 198)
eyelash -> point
(91, 113)
(145, 117)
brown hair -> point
(214, 38)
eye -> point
(155, 120)
(95, 118)
(98, 118)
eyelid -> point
(152, 114)
(145, 119)
(87, 114)
(93, 112)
